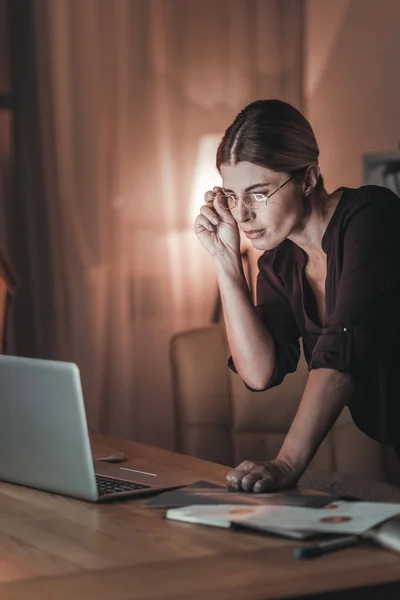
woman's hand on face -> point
(215, 227)
(259, 477)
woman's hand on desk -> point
(259, 477)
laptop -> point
(44, 438)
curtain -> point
(113, 102)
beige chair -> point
(218, 419)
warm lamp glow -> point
(205, 175)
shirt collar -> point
(328, 236)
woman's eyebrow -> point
(251, 187)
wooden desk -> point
(56, 548)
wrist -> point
(296, 459)
(228, 262)
(229, 271)
(292, 475)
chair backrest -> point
(218, 419)
(8, 283)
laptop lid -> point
(44, 439)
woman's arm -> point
(325, 395)
(251, 344)
(261, 355)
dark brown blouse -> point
(361, 333)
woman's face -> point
(270, 224)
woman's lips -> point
(254, 233)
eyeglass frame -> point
(266, 196)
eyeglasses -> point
(251, 200)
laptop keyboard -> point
(106, 485)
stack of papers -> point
(339, 517)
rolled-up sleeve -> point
(275, 313)
(367, 301)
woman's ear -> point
(311, 179)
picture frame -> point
(382, 168)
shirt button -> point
(344, 328)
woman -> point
(330, 274)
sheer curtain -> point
(114, 100)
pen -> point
(326, 546)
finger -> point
(267, 484)
(210, 195)
(217, 189)
(234, 479)
(252, 477)
(246, 465)
(209, 214)
(202, 223)
(222, 210)
(258, 471)
(209, 198)
(235, 476)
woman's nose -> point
(242, 212)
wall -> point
(352, 82)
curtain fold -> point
(113, 100)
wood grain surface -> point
(53, 547)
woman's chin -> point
(265, 243)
